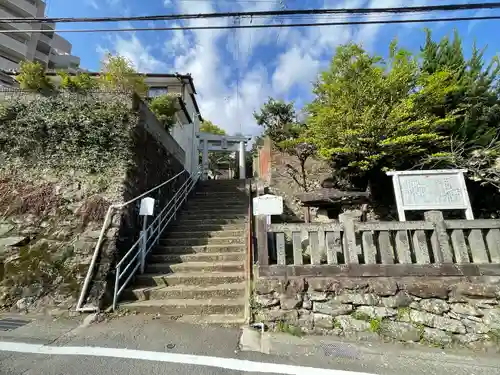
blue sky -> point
(235, 71)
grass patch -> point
(288, 328)
(403, 312)
(375, 325)
(336, 324)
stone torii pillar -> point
(242, 160)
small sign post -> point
(431, 190)
(263, 207)
(146, 209)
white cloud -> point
(139, 55)
(93, 4)
(296, 66)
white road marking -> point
(188, 359)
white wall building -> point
(48, 48)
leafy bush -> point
(164, 107)
(84, 132)
(78, 83)
(32, 77)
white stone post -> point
(242, 160)
(205, 159)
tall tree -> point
(278, 120)
(32, 77)
(118, 73)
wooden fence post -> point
(262, 238)
(350, 247)
(439, 240)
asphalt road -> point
(143, 345)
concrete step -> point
(193, 222)
(187, 306)
(200, 257)
(180, 227)
(226, 320)
(190, 249)
(213, 214)
(193, 241)
(178, 278)
(205, 234)
(236, 290)
(211, 205)
(221, 194)
(201, 267)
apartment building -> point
(47, 47)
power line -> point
(262, 26)
(267, 13)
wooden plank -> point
(459, 246)
(333, 246)
(309, 227)
(403, 247)
(280, 248)
(350, 247)
(262, 245)
(439, 240)
(369, 248)
(321, 245)
(493, 242)
(420, 247)
(381, 270)
(313, 243)
(394, 225)
(386, 249)
(297, 249)
(478, 247)
(473, 224)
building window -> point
(157, 91)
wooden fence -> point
(434, 247)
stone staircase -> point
(197, 272)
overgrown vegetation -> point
(436, 109)
(164, 107)
(32, 77)
(84, 133)
(284, 327)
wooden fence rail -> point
(431, 247)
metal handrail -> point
(107, 220)
(149, 237)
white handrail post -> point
(117, 281)
(147, 209)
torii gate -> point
(215, 142)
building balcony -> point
(24, 8)
(47, 40)
(13, 47)
(64, 61)
(42, 57)
(15, 26)
(8, 65)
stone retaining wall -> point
(441, 311)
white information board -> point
(147, 207)
(431, 190)
(268, 205)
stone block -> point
(475, 327)
(317, 296)
(290, 303)
(323, 285)
(266, 300)
(332, 308)
(377, 312)
(475, 290)
(467, 338)
(266, 286)
(430, 289)
(436, 336)
(290, 316)
(399, 300)
(434, 305)
(436, 321)
(323, 321)
(384, 288)
(295, 286)
(307, 303)
(358, 299)
(353, 284)
(492, 318)
(466, 309)
(5, 228)
(306, 319)
(349, 324)
(399, 331)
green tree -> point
(32, 77)
(80, 82)
(278, 120)
(118, 73)
(209, 127)
(370, 115)
(164, 107)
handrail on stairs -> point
(161, 221)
